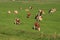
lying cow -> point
(36, 26)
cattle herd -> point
(38, 17)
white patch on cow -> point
(39, 29)
(40, 18)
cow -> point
(28, 14)
(40, 12)
(17, 21)
(36, 26)
(38, 18)
(52, 10)
(30, 7)
(9, 12)
(15, 11)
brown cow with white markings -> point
(17, 21)
(28, 14)
(37, 26)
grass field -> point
(49, 25)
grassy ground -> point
(10, 31)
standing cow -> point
(17, 21)
(28, 14)
(39, 15)
(36, 26)
(38, 18)
(52, 10)
(41, 12)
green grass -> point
(49, 25)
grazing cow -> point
(52, 10)
(38, 17)
(37, 26)
(9, 12)
(17, 21)
(16, 12)
(40, 12)
(28, 14)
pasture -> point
(50, 25)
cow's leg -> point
(34, 28)
(39, 29)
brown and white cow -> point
(52, 10)
(40, 12)
(17, 21)
(38, 17)
(36, 26)
(28, 14)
